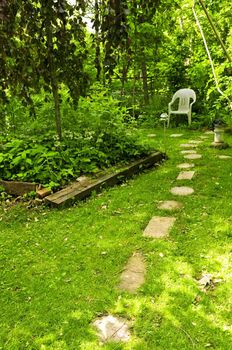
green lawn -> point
(60, 268)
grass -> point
(60, 268)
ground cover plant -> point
(98, 136)
(60, 268)
(53, 163)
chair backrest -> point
(184, 96)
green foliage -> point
(43, 53)
(141, 52)
(99, 139)
(46, 160)
(151, 113)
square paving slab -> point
(182, 190)
(185, 165)
(188, 151)
(197, 142)
(188, 145)
(170, 205)
(193, 156)
(185, 175)
(111, 328)
(224, 157)
(159, 227)
(133, 275)
(176, 135)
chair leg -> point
(189, 119)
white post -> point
(218, 134)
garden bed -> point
(18, 188)
(83, 188)
(30, 160)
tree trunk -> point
(97, 41)
(2, 121)
(124, 77)
(53, 80)
(56, 98)
(145, 84)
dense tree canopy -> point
(142, 51)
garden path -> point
(158, 227)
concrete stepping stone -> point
(151, 135)
(159, 227)
(196, 142)
(185, 165)
(185, 175)
(111, 328)
(209, 132)
(224, 157)
(182, 190)
(188, 145)
(193, 156)
(133, 275)
(170, 205)
(189, 151)
(204, 137)
(176, 135)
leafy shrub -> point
(96, 137)
(52, 163)
(158, 105)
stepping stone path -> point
(193, 156)
(185, 165)
(133, 275)
(224, 157)
(112, 328)
(169, 205)
(190, 151)
(182, 191)
(159, 227)
(185, 175)
(188, 145)
(195, 142)
(176, 135)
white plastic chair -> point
(185, 106)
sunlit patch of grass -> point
(60, 268)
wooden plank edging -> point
(78, 191)
(18, 188)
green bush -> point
(95, 137)
(53, 163)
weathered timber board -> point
(78, 191)
(18, 188)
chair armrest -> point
(190, 105)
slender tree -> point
(43, 46)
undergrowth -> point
(46, 160)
